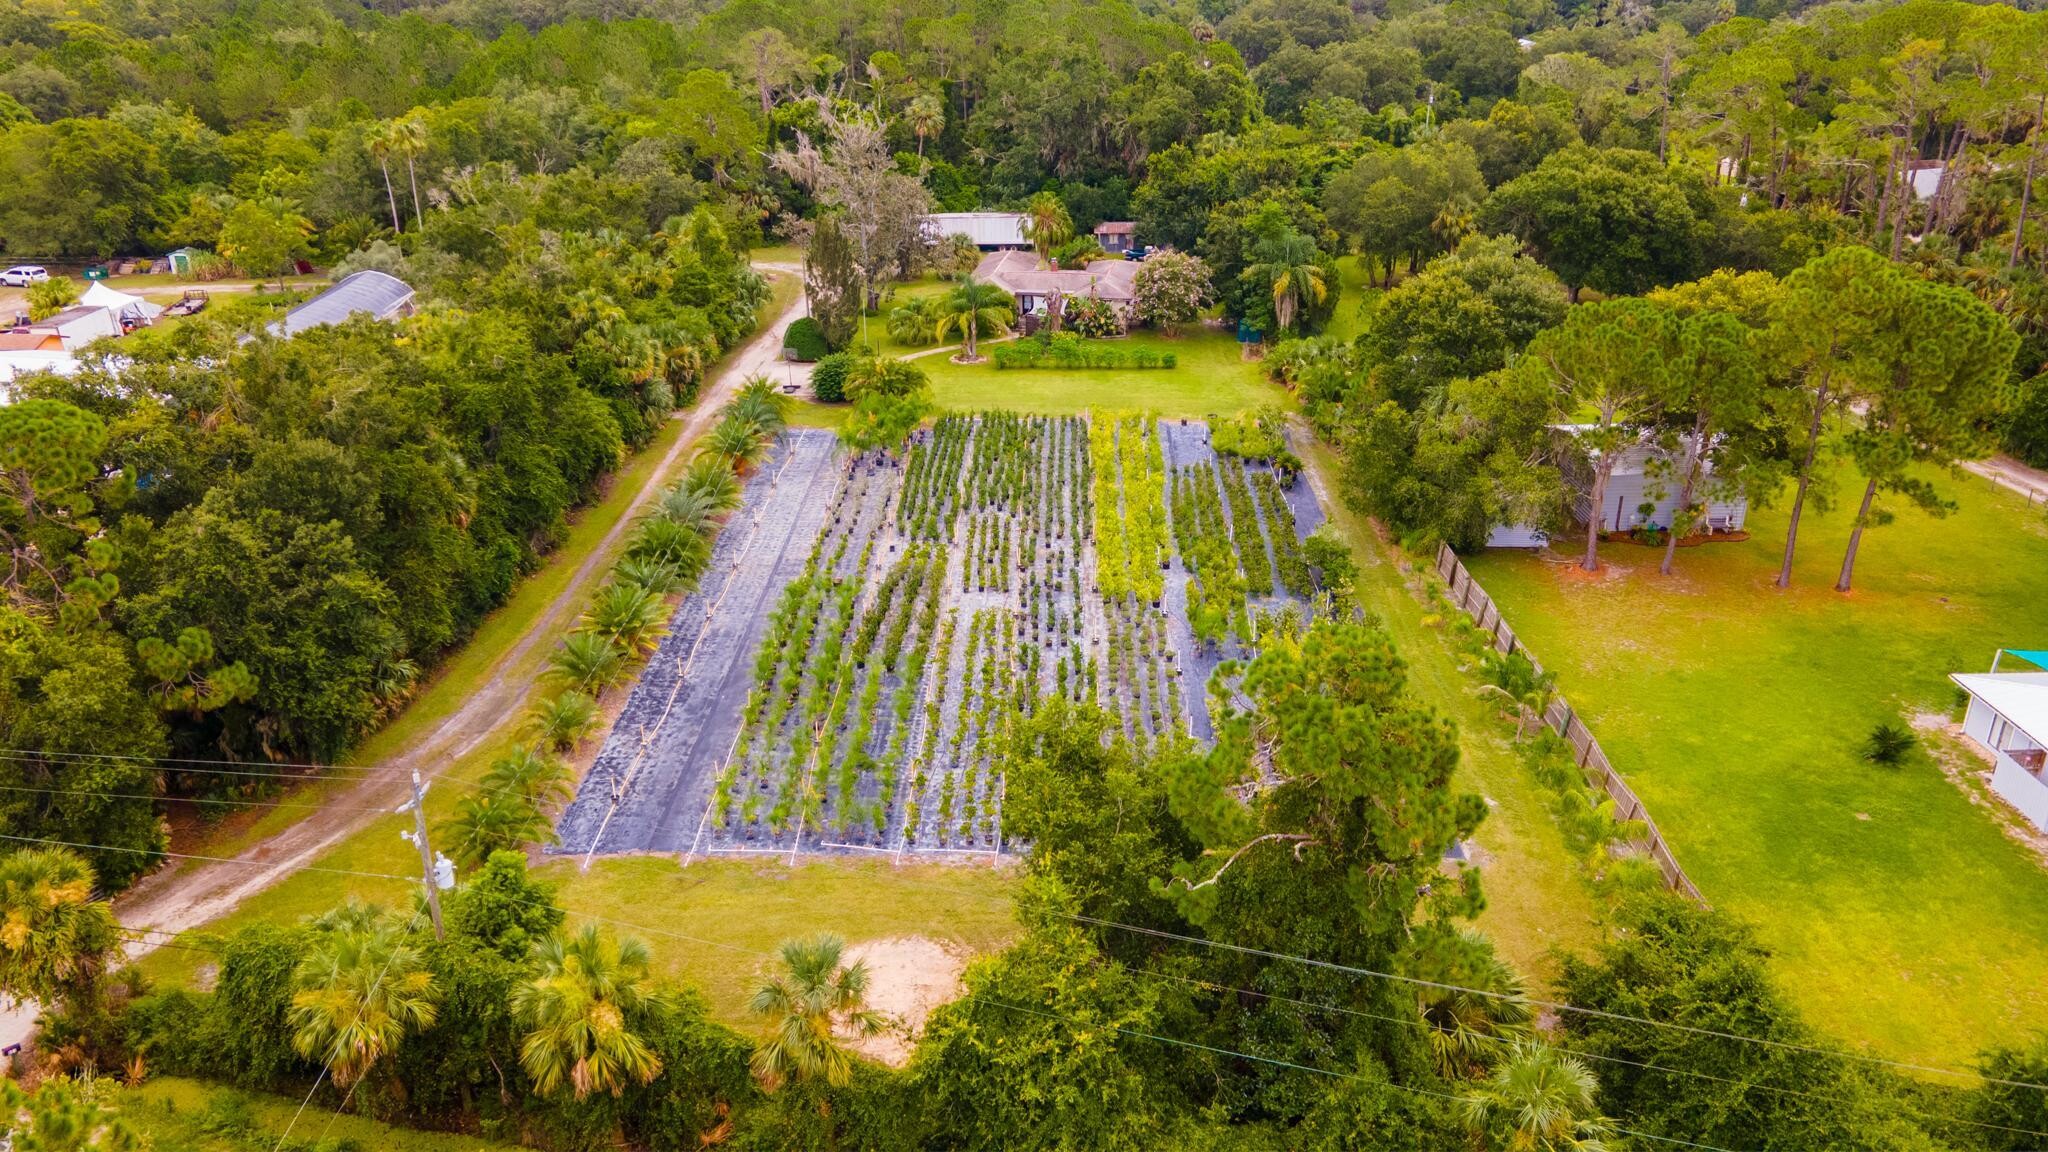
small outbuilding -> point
(79, 325)
(2008, 718)
(1117, 237)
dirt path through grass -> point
(177, 899)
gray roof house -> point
(1018, 274)
(379, 295)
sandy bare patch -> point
(1928, 721)
(908, 977)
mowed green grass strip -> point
(1901, 917)
(1211, 377)
(1536, 905)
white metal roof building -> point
(990, 231)
(377, 294)
(2008, 716)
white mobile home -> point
(990, 231)
(2008, 717)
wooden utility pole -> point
(427, 868)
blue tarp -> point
(2035, 656)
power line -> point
(1177, 1042)
(1155, 932)
(1418, 1022)
(1554, 1005)
(190, 799)
(174, 764)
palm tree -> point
(381, 145)
(1288, 263)
(657, 576)
(738, 442)
(587, 662)
(759, 400)
(628, 615)
(1538, 1100)
(360, 990)
(927, 119)
(487, 822)
(682, 547)
(805, 1004)
(969, 308)
(1468, 1028)
(580, 1009)
(563, 720)
(692, 508)
(54, 937)
(533, 775)
(713, 479)
(911, 321)
(1047, 223)
(409, 139)
(1515, 679)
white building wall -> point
(2021, 789)
(1977, 721)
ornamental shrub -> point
(805, 341)
(828, 377)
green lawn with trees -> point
(1900, 915)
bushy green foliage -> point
(805, 341)
(828, 377)
(1067, 350)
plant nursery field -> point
(872, 629)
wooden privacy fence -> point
(1586, 752)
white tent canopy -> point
(101, 296)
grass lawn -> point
(176, 1113)
(1211, 377)
(1902, 918)
(725, 918)
(1535, 902)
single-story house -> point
(1019, 274)
(990, 231)
(379, 295)
(1117, 236)
(2008, 716)
(1645, 474)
